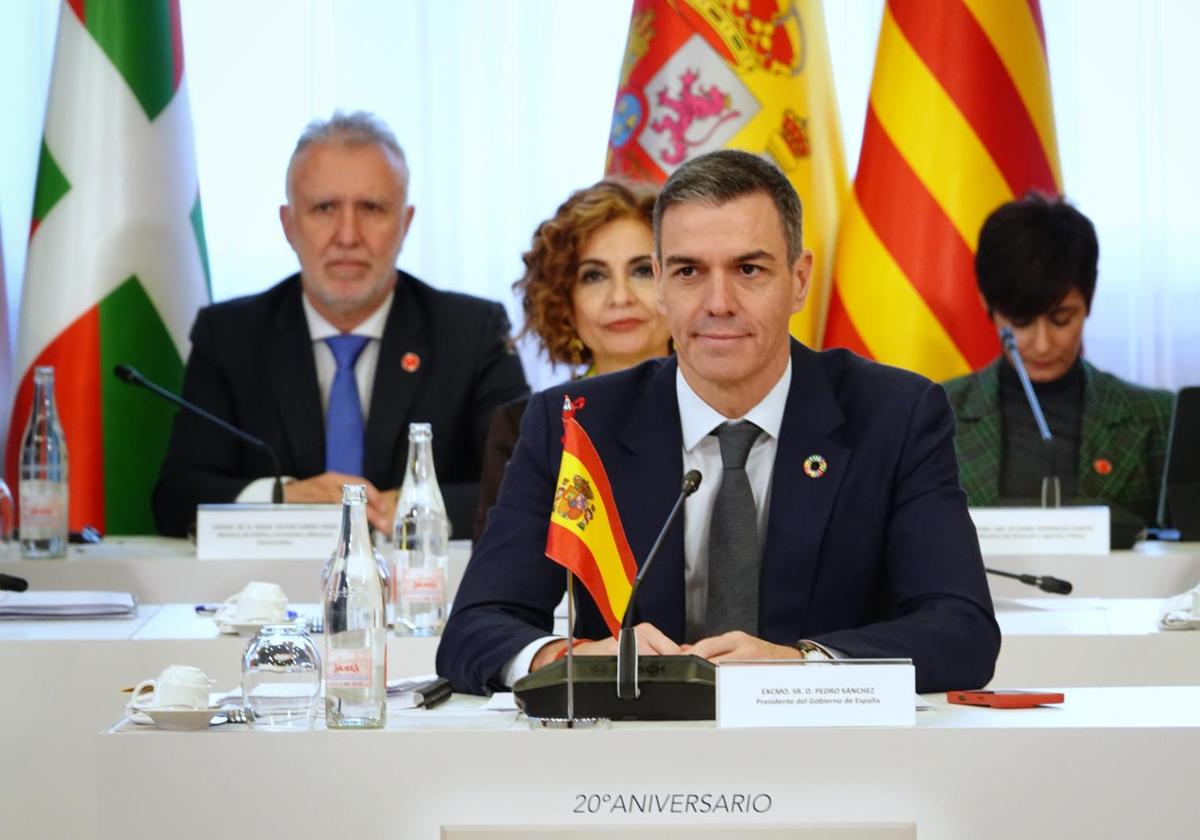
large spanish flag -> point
(585, 533)
(959, 121)
(5, 357)
(701, 75)
(117, 266)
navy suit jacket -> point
(252, 364)
(877, 558)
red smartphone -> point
(1004, 699)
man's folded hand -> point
(651, 642)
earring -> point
(576, 348)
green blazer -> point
(1122, 445)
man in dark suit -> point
(331, 365)
(829, 521)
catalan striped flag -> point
(117, 265)
(585, 533)
(959, 121)
(702, 75)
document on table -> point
(66, 604)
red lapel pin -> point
(1102, 466)
(410, 362)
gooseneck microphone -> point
(130, 375)
(627, 652)
(1051, 488)
(1046, 583)
(12, 583)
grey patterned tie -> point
(734, 553)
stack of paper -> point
(26, 605)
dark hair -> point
(719, 177)
(553, 259)
(1031, 253)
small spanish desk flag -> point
(585, 533)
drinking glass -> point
(281, 677)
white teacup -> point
(258, 601)
(177, 685)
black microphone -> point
(1046, 583)
(1051, 493)
(130, 374)
(627, 653)
(11, 583)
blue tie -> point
(344, 419)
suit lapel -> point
(651, 447)
(395, 388)
(293, 378)
(800, 505)
(977, 438)
(1105, 436)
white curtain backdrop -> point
(504, 108)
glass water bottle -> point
(422, 543)
(355, 630)
(43, 474)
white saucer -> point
(216, 700)
(247, 628)
(179, 718)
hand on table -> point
(651, 641)
(736, 645)
(327, 488)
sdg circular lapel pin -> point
(815, 466)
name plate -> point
(839, 692)
(267, 532)
(1015, 531)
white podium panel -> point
(799, 832)
(1109, 763)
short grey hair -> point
(720, 177)
(358, 128)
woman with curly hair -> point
(588, 297)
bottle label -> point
(348, 668)
(43, 508)
(422, 586)
(400, 561)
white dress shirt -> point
(319, 329)
(702, 451)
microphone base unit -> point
(671, 688)
(569, 723)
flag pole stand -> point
(570, 721)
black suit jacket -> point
(877, 558)
(252, 364)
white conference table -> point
(1149, 570)
(160, 570)
(1111, 762)
(74, 668)
(62, 682)
(66, 676)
